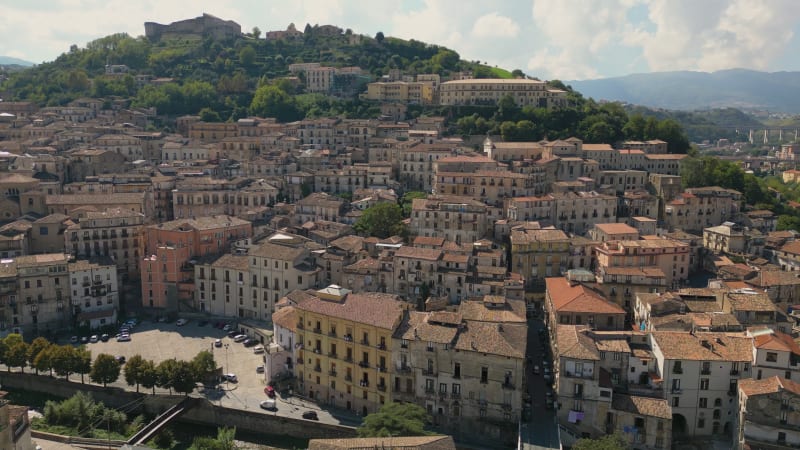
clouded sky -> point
(566, 39)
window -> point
(701, 423)
(484, 375)
(704, 403)
(772, 357)
(457, 370)
(428, 385)
(443, 388)
(44, 231)
(704, 384)
(676, 401)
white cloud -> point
(493, 25)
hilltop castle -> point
(205, 25)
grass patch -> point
(39, 424)
(500, 73)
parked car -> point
(94, 339)
(181, 322)
(218, 343)
(258, 349)
(124, 338)
(239, 338)
(84, 339)
(227, 327)
(260, 369)
(269, 404)
(73, 340)
(249, 342)
(120, 359)
(310, 415)
(233, 333)
(270, 391)
(231, 377)
(536, 370)
(105, 337)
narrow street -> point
(541, 430)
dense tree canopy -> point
(381, 220)
(395, 419)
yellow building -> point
(345, 360)
(401, 91)
(537, 254)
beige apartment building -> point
(457, 219)
(765, 415)
(128, 146)
(94, 293)
(700, 373)
(489, 91)
(464, 367)
(43, 298)
(115, 233)
(578, 212)
(699, 208)
(488, 186)
(538, 254)
(319, 206)
(248, 285)
(414, 92)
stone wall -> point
(205, 413)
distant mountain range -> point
(8, 60)
(684, 90)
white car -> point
(181, 322)
(258, 349)
(124, 338)
(240, 338)
(269, 404)
(94, 339)
(231, 377)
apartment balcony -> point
(429, 390)
(381, 368)
(317, 330)
(676, 391)
(317, 369)
(332, 354)
(428, 373)
(364, 364)
(317, 351)
(363, 383)
(365, 342)
(348, 377)
(332, 373)
(734, 372)
(348, 359)
(332, 334)
(382, 387)
(577, 395)
(403, 368)
(578, 375)
(381, 346)
(677, 370)
(705, 371)
(299, 324)
(508, 385)
(455, 395)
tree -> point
(105, 369)
(408, 200)
(379, 37)
(607, 442)
(183, 377)
(165, 370)
(17, 356)
(63, 360)
(44, 359)
(38, 345)
(82, 362)
(223, 441)
(133, 370)
(271, 101)
(395, 419)
(381, 220)
(148, 375)
(247, 55)
(203, 364)
(256, 32)
(209, 115)
(517, 73)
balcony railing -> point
(677, 370)
(348, 377)
(332, 354)
(364, 364)
(734, 371)
(403, 368)
(348, 359)
(317, 330)
(332, 373)
(455, 395)
(705, 371)
(382, 387)
(429, 373)
(381, 346)
(317, 369)
(578, 394)
(508, 385)
(332, 334)
(363, 383)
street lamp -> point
(227, 365)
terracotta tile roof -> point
(202, 223)
(504, 339)
(567, 297)
(644, 406)
(522, 236)
(431, 241)
(479, 311)
(751, 302)
(616, 228)
(771, 385)
(689, 346)
(777, 341)
(418, 326)
(286, 317)
(228, 261)
(372, 308)
(768, 278)
(366, 265)
(574, 343)
(349, 243)
(277, 251)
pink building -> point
(171, 250)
